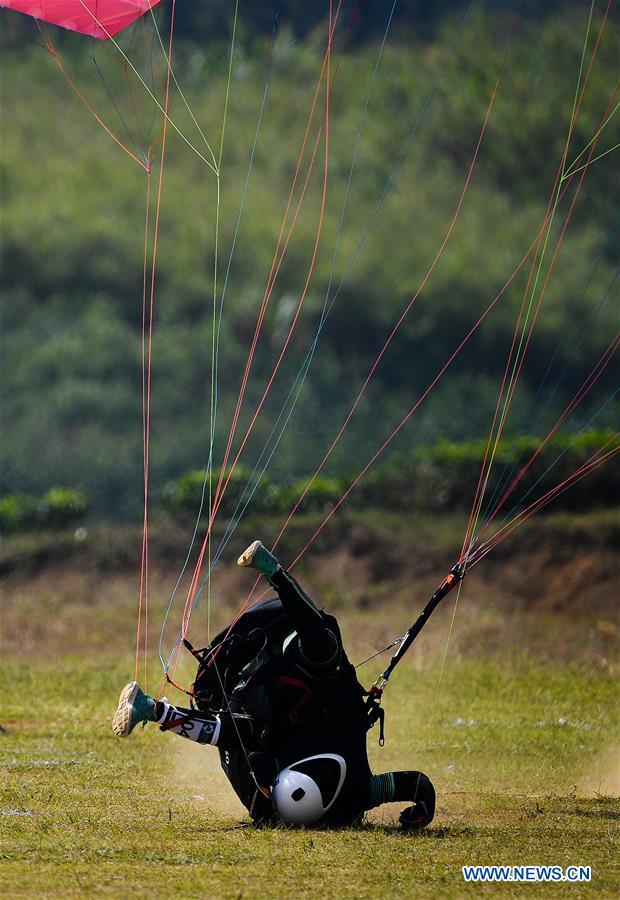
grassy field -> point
(519, 733)
(521, 756)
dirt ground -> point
(558, 577)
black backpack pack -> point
(232, 671)
(237, 652)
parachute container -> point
(97, 18)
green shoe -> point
(258, 557)
(134, 706)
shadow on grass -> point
(597, 813)
(601, 806)
(441, 832)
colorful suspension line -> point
(552, 465)
(454, 578)
(410, 304)
(247, 494)
(329, 302)
(436, 259)
(278, 256)
(404, 421)
(527, 425)
(207, 467)
(225, 478)
(147, 378)
(522, 350)
(275, 268)
(219, 490)
(585, 388)
(218, 175)
(223, 481)
(597, 459)
(406, 418)
(436, 379)
(49, 46)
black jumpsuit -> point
(280, 690)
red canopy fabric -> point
(98, 18)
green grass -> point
(518, 751)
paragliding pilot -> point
(278, 697)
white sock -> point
(165, 706)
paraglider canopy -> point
(98, 18)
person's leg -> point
(229, 731)
(318, 645)
(412, 787)
(188, 723)
(225, 729)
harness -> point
(253, 666)
(374, 710)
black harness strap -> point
(373, 702)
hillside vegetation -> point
(73, 236)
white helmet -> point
(304, 791)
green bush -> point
(58, 508)
(17, 513)
(61, 507)
(395, 486)
(184, 496)
(439, 478)
(322, 495)
(444, 476)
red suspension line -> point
(585, 387)
(431, 386)
(407, 309)
(591, 379)
(277, 260)
(478, 495)
(595, 460)
(146, 413)
(220, 490)
(482, 478)
(219, 493)
(474, 328)
(49, 46)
